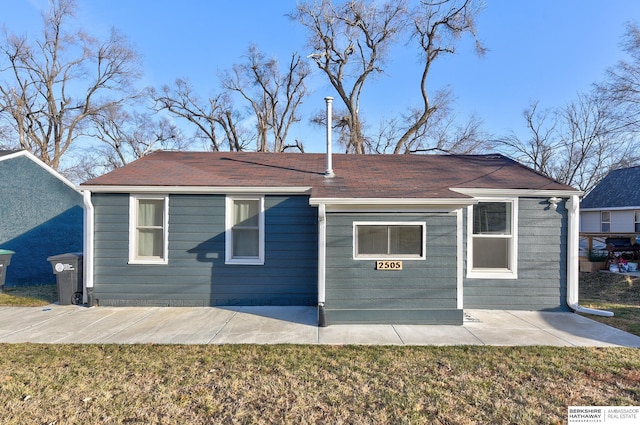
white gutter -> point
(535, 193)
(88, 248)
(608, 209)
(276, 190)
(322, 252)
(573, 248)
(460, 259)
(393, 201)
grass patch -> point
(28, 296)
(291, 384)
(309, 384)
(613, 292)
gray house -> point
(613, 206)
(41, 214)
(366, 238)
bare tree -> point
(350, 42)
(131, 135)
(623, 80)
(576, 145)
(596, 133)
(437, 26)
(622, 84)
(51, 86)
(214, 118)
(537, 151)
(592, 144)
(274, 96)
(442, 133)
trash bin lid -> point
(6, 251)
(67, 256)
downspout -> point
(322, 251)
(573, 253)
(87, 296)
(460, 259)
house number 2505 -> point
(388, 265)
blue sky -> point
(546, 50)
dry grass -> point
(158, 384)
(28, 296)
(114, 384)
(614, 292)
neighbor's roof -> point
(7, 152)
(619, 189)
(356, 176)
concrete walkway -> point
(291, 325)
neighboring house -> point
(387, 239)
(41, 214)
(613, 206)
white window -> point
(148, 229)
(492, 247)
(244, 236)
(636, 219)
(605, 221)
(384, 240)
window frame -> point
(636, 221)
(603, 221)
(133, 229)
(510, 272)
(229, 224)
(423, 246)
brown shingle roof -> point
(356, 176)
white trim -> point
(228, 233)
(423, 225)
(39, 162)
(322, 253)
(511, 193)
(602, 222)
(573, 253)
(637, 207)
(512, 271)
(392, 201)
(133, 218)
(89, 222)
(392, 208)
(460, 259)
(214, 190)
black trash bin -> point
(68, 271)
(5, 260)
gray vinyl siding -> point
(542, 264)
(196, 273)
(423, 292)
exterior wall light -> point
(553, 202)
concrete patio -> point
(57, 324)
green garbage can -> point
(5, 260)
(68, 271)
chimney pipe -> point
(329, 173)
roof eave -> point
(482, 192)
(626, 208)
(393, 201)
(275, 190)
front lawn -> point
(613, 292)
(28, 296)
(260, 384)
(176, 384)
